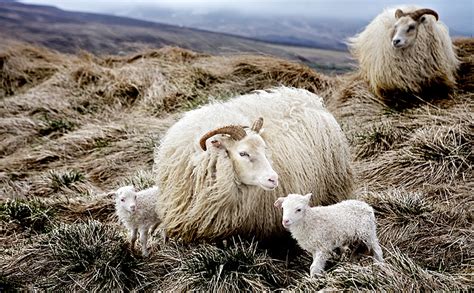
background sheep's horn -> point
(257, 125)
(420, 12)
(234, 131)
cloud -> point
(457, 14)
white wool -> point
(319, 230)
(202, 198)
(430, 61)
(144, 218)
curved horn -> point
(420, 12)
(234, 131)
(257, 125)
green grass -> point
(65, 179)
(55, 126)
(31, 215)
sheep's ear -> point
(111, 194)
(279, 202)
(307, 197)
(215, 142)
(398, 13)
(220, 142)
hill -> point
(74, 127)
(70, 32)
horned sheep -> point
(320, 230)
(219, 176)
(407, 50)
(136, 211)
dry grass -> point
(74, 128)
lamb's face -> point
(294, 208)
(404, 33)
(126, 198)
(251, 163)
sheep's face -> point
(249, 159)
(126, 198)
(294, 208)
(404, 32)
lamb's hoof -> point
(316, 275)
(146, 253)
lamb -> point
(320, 230)
(136, 211)
(219, 174)
(406, 50)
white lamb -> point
(136, 211)
(320, 230)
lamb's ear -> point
(307, 197)
(279, 202)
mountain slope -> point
(70, 32)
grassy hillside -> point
(74, 127)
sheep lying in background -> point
(406, 49)
(136, 211)
(217, 171)
(320, 230)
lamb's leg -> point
(376, 250)
(144, 240)
(133, 238)
(319, 260)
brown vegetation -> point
(73, 128)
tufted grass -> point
(74, 128)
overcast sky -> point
(458, 14)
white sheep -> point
(406, 49)
(219, 176)
(136, 211)
(320, 230)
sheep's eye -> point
(123, 199)
(298, 210)
(411, 27)
(244, 154)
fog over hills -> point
(317, 23)
(70, 32)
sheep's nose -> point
(132, 208)
(273, 180)
(396, 42)
(285, 222)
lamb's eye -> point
(122, 200)
(298, 210)
(244, 154)
(411, 27)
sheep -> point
(136, 211)
(209, 176)
(406, 50)
(320, 230)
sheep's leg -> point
(153, 228)
(164, 236)
(144, 240)
(133, 237)
(319, 260)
